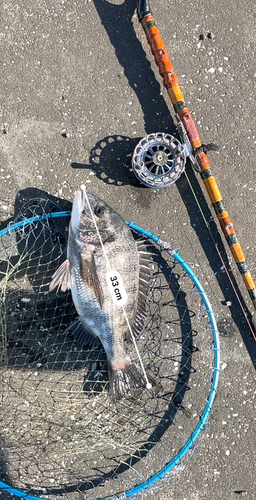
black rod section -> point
(143, 9)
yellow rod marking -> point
(212, 189)
(175, 94)
(248, 280)
(237, 252)
(223, 215)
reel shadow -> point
(117, 172)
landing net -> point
(61, 434)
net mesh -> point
(60, 432)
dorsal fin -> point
(144, 286)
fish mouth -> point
(79, 205)
(82, 198)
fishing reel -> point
(159, 159)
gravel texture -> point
(78, 89)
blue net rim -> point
(216, 368)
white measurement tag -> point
(116, 288)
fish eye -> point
(99, 211)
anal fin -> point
(82, 336)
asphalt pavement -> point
(78, 89)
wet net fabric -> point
(60, 432)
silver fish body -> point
(99, 240)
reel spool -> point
(159, 160)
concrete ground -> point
(78, 89)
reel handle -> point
(183, 114)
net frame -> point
(190, 443)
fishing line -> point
(83, 187)
(159, 166)
(96, 227)
(148, 385)
(198, 204)
(220, 257)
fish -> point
(101, 248)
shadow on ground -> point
(117, 21)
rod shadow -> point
(117, 21)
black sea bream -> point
(99, 239)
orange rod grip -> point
(248, 280)
(175, 94)
(212, 189)
(162, 59)
(237, 252)
(203, 161)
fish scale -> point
(100, 240)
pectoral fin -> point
(89, 275)
(61, 277)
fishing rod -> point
(159, 159)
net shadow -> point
(60, 424)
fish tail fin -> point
(122, 380)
